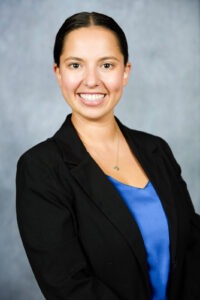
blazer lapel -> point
(100, 190)
(148, 155)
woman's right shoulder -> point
(44, 152)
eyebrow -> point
(109, 57)
(73, 58)
(101, 59)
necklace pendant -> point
(116, 168)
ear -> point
(56, 70)
(127, 70)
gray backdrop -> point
(161, 98)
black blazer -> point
(80, 238)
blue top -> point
(145, 206)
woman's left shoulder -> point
(150, 143)
(145, 138)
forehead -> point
(93, 39)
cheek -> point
(115, 83)
(70, 82)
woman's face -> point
(92, 74)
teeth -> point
(92, 97)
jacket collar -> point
(73, 150)
(99, 189)
(69, 143)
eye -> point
(74, 65)
(107, 66)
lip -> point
(93, 99)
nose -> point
(91, 77)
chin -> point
(95, 115)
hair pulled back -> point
(87, 19)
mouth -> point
(93, 99)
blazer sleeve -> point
(191, 268)
(48, 230)
(191, 263)
(176, 170)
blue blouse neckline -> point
(146, 208)
(128, 185)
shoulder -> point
(45, 152)
(150, 143)
(41, 169)
(145, 139)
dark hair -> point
(87, 19)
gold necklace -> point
(116, 166)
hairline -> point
(92, 24)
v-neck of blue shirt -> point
(146, 208)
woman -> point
(102, 209)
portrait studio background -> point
(162, 96)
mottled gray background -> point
(162, 96)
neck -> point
(93, 131)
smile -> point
(92, 97)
